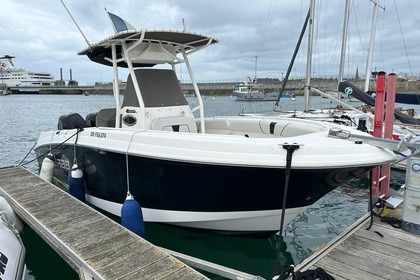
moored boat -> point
(247, 92)
(223, 174)
(12, 250)
(15, 77)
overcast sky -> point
(42, 36)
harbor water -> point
(25, 116)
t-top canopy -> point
(147, 47)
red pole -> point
(389, 107)
(388, 129)
(378, 126)
(379, 105)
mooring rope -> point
(290, 149)
(126, 164)
(288, 273)
(128, 173)
(74, 147)
(51, 149)
(27, 154)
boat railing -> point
(245, 109)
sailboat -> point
(223, 174)
(366, 96)
(343, 113)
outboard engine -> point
(71, 121)
(91, 119)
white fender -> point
(47, 168)
(14, 219)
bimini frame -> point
(146, 48)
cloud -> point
(43, 37)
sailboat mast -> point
(344, 44)
(371, 44)
(309, 56)
(289, 69)
(255, 70)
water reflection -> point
(317, 225)
(254, 256)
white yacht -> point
(10, 76)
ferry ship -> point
(10, 76)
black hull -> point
(183, 186)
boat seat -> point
(286, 128)
(176, 124)
(106, 117)
(273, 127)
(244, 126)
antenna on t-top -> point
(76, 24)
(184, 25)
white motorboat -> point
(222, 174)
(4, 92)
(12, 250)
(247, 92)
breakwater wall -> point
(293, 86)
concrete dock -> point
(382, 252)
(91, 243)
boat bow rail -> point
(395, 145)
(407, 147)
